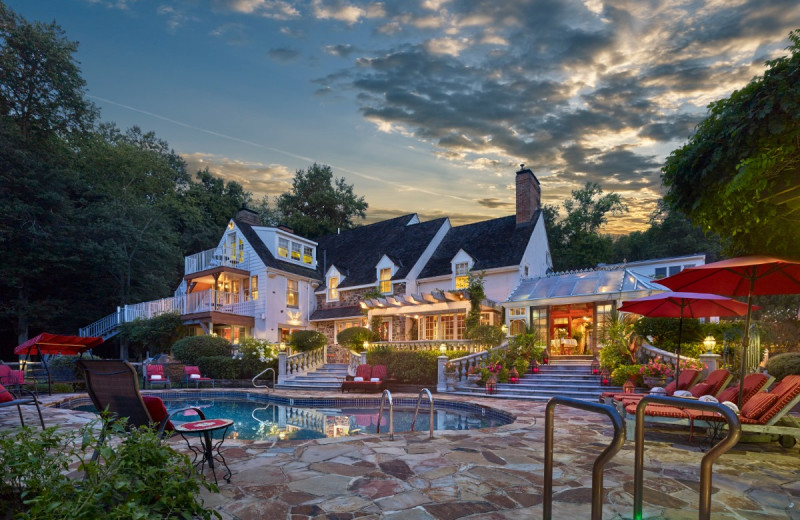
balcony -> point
(213, 258)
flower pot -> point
(653, 381)
(450, 379)
(474, 378)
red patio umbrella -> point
(684, 305)
(56, 344)
(744, 276)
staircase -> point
(327, 378)
(565, 376)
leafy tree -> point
(155, 335)
(575, 241)
(318, 204)
(739, 174)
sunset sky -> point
(425, 106)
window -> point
(517, 327)
(674, 269)
(447, 322)
(241, 251)
(246, 289)
(292, 293)
(430, 327)
(486, 318)
(383, 330)
(254, 287)
(661, 272)
(539, 323)
(333, 288)
(385, 285)
(462, 275)
(283, 247)
(517, 311)
(308, 255)
(460, 325)
(296, 251)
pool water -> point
(282, 419)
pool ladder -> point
(387, 396)
(261, 374)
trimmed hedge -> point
(306, 340)
(354, 338)
(782, 365)
(414, 367)
(220, 367)
(189, 350)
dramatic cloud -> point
(259, 179)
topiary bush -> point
(354, 338)
(782, 365)
(221, 367)
(189, 350)
(306, 340)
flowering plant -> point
(655, 368)
(692, 364)
(474, 370)
(449, 367)
(494, 367)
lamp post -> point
(709, 343)
(442, 348)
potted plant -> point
(474, 374)
(450, 375)
(655, 373)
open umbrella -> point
(55, 344)
(744, 276)
(684, 305)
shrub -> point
(354, 338)
(221, 367)
(782, 365)
(190, 349)
(256, 356)
(611, 358)
(527, 345)
(415, 367)
(154, 335)
(305, 340)
(625, 372)
(137, 476)
(486, 335)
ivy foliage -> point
(739, 174)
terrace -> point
(493, 473)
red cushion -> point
(363, 371)
(758, 404)
(157, 410)
(378, 371)
(5, 395)
(701, 389)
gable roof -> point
(492, 243)
(355, 252)
(266, 256)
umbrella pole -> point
(678, 364)
(746, 340)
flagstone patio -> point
(495, 473)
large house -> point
(403, 274)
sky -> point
(425, 106)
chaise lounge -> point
(367, 378)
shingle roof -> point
(336, 313)
(266, 256)
(356, 252)
(492, 243)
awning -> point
(46, 343)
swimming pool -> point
(267, 418)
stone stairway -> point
(565, 376)
(327, 378)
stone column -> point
(281, 367)
(441, 385)
(712, 361)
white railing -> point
(450, 344)
(211, 258)
(303, 362)
(463, 364)
(648, 352)
(197, 302)
(355, 360)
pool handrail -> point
(430, 411)
(386, 394)
(262, 373)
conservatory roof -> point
(590, 285)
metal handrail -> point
(262, 373)
(384, 395)
(599, 463)
(706, 463)
(416, 410)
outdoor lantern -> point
(513, 376)
(504, 328)
(283, 346)
(535, 367)
(595, 367)
(628, 387)
(442, 348)
(709, 343)
(604, 377)
(544, 358)
(491, 387)
(366, 345)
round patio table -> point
(208, 450)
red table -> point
(209, 450)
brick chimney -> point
(529, 195)
(248, 216)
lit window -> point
(295, 251)
(517, 327)
(232, 243)
(241, 251)
(430, 327)
(283, 247)
(460, 325)
(254, 287)
(462, 275)
(333, 288)
(292, 293)
(386, 281)
(486, 318)
(447, 322)
(661, 272)
(517, 311)
(308, 255)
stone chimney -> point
(529, 195)
(248, 216)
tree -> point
(739, 174)
(318, 204)
(575, 241)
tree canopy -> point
(739, 174)
(317, 204)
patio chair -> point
(113, 385)
(191, 374)
(367, 378)
(15, 379)
(8, 399)
(154, 375)
(686, 380)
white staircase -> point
(327, 378)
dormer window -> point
(385, 282)
(333, 288)
(294, 251)
(283, 247)
(462, 275)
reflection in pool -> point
(279, 418)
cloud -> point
(341, 50)
(260, 179)
(337, 10)
(494, 203)
(274, 9)
(283, 54)
(231, 33)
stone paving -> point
(495, 473)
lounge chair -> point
(9, 399)
(154, 375)
(15, 379)
(367, 378)
(191, 374)
(686, 380)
